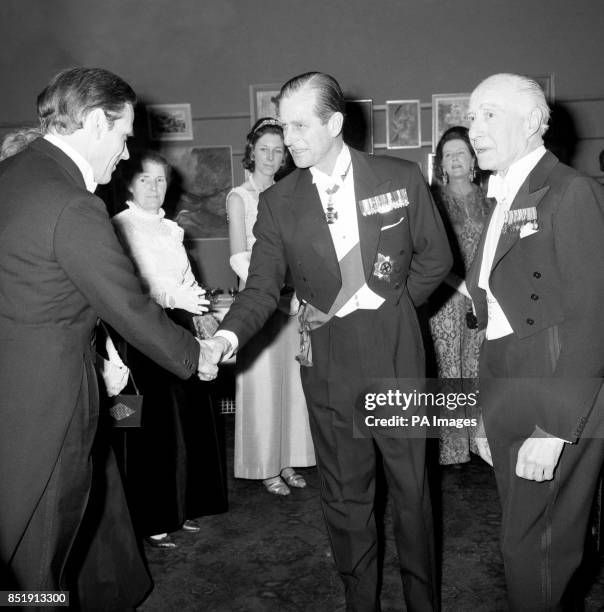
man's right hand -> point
(211, 352)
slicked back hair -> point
(529, 92)
(328, 94)
(73, 93)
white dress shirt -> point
(504, 189)
(345, 230)
(84, 167)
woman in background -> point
(172, 465)
(271, 423)
(456, 340)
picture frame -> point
(403, 124)
(263, 101)
(448, 110)
(358, 124)
(546, 82)
(202, 176)
(169, 122)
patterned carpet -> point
(271, 554)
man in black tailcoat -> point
(61, 269)
(364, 246)
(538, 289)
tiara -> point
(266, 122)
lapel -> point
(366, 185)
(311, 226)
(530, 194)
(46, 148)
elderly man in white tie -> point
(538, 288)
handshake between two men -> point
(211, 352)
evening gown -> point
(271, 420)
(456, 346)
(173, 466)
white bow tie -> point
(498, 188)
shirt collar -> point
(84, 167)
(507, 186)
(158, 216)
(322, 180)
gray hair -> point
(529, 94)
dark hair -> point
(264, 125)
(73, 93)
(329, 98)
(128, 169)
(457, 132)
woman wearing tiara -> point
(271, 424)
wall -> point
(208, 53)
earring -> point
(472, 173)
(445, 178)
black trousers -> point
(346, 352)
(544, 524)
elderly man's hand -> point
(538, 456)
(211, 352)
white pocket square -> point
(392, 224)
(528, 229)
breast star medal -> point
(382, 268)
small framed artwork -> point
(448, 110)
(546, 82)
(358, 125)
(403, 124)
(202, 178)
(170, 121)
(263, 101)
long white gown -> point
(271, 420)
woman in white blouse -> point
(173, 468)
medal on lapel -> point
(331, 215)
(382, 268)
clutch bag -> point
(126, 409)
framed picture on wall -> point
(403, 124)
(448, 110)
(201, 180)
(169, 121)
(546, 82)
(263, 101)
(358, 125)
